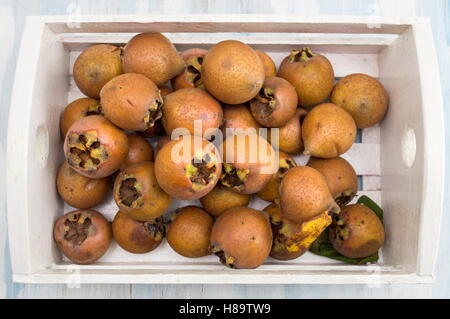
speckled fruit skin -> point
(184, 106)
(241, 151)
(139, 150)
(232, 72)
(340, 175)
(93, 247)
(80, 191)
(182, 80)
(112, 138)
(126, 100)
(313, 79)
(95, 67)
(244, 235)
(154, 56)
(290, 135)
(328, 131)
(363, 230)
(238, 117)
(76, 110)
(189, 232)
(304, 194)
(153, 202)
(137, 237)
(269, 66)
(286, 103)
(221, 198)
(171, 176)
(363, 96)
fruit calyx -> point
(94, 109)
(86, 151)
(234, 178)
(340, 230)
(193, 70)
(285, 165)
(77, 228)
(267, 101)
(224, 258)
(202, 170)
(344, 197)
(155, 228)
(301, 56)
(130, 192)
(154, 112)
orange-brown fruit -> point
(232, 72)
(191, 76)
(156, 130)
(275, 104)
(76, 110)
(304, 194)
(249, 162)
(328, 131)
(363, 96)
(137, 237)
(270, 192)
(188, 168)
(80, 191)
(310, 73)
(139, 150)
(237, 119)
(137, 193)
(341, 178)
(94, 147)
(83, 236)
(132, 102)
(95, 67)
(269, 66)
(291, 240)
(357, 232)
(242, 238)
(189, 232)
(163, 140)
(222, 198)
(185, 106)
(154, 56)
(290, 135)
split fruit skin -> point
(139, 150)
(310, 73)
(328, 131)
(270, 192)
(94, 147)
(242, 238)
(275, 104)
(222, 198)
(269, 66)
(137, 193)
(188, 168)
(95, 67)
(189, 232)
(357, 232)
(185, 106)
(364, 97)
(237, 119)
(137, 237)
(291, 240)
(232, 72)
(76, 110)
(290, 135)
(249, 162)
(80, 191)
(340, 175)
(154, 56)
(191, 76)
(304, 194)
(132, 102)
(83, 236)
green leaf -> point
(366, 201)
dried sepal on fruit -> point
(191, 76)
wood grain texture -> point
(12, 15)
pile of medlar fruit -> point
(221, 128)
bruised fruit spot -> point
(193, 71)
(155, 229)
(77, 228)
(344, 198)
(85, 151)
(301, 56)
(130, 193)
(265, 102)
(234, 178)
(154, 112)
(201, 170)
(224, 258)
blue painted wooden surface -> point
(12, 15)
